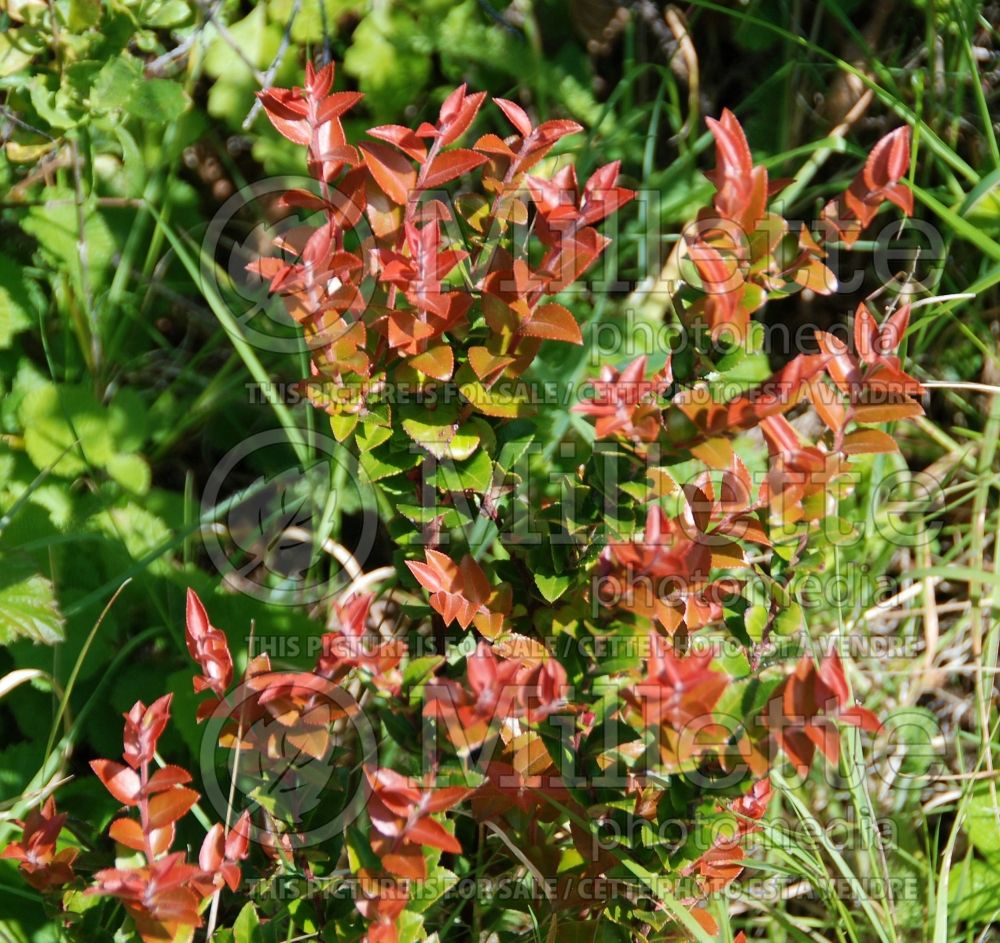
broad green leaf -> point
(167, 14)
(157, 101)
(371, 436)
(552, 585)
(17, 48)
(974, 890)
(788, 621)
(28, 607)
(308, 26)
(473, 474)
(258, 42)
(55, 228)
(982, 823)
(389, 56)
(15, 303)
(246, 929)
(387, 460)
(66, 427)
(450, 516)
(131, 471)
(83, 14)
(115, 83)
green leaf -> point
(157, 101)
(982, 823)
(258, 41)
(474, 474)
(28, 607)
(371, 435)
(56, 106)
(389, 55)
(431, 429)
(130, 471)
(746, 697)
(411, 928)
(788, 621)
(168, 14)
(64, 426)
(420, 515)
(387, 460)
(439, 881)
(115, 83)
(17, 48)
(974, 890)
(84, 14)
(552, 585)
(342, 426)
(246, 929)
(465, 442)
(419, 670)
(755, 621)
(55, 228)
(15, 303)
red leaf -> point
(287, 113)
(451, 165)
(123, 783)
(516, 115)
(733, 175)
(491, 144)
(333, 106)
(457, 112)
(426, 831)
(403, 138)
(488, 366)
(238, 840)
(212, 852)
(167, 777)
(197, 619)
(445, 797)
(391, 171)
(889, 159)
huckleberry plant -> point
(425, 278)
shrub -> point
(590, 635)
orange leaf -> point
(403, 860)
(868, 441)
(553, 322)
(123, 783)
(391, 170)
(438, 362)
(166, 778)
(128, 832)
(898, 407)
(169, 806)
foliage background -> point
(125, 130)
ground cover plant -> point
(510, 485)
